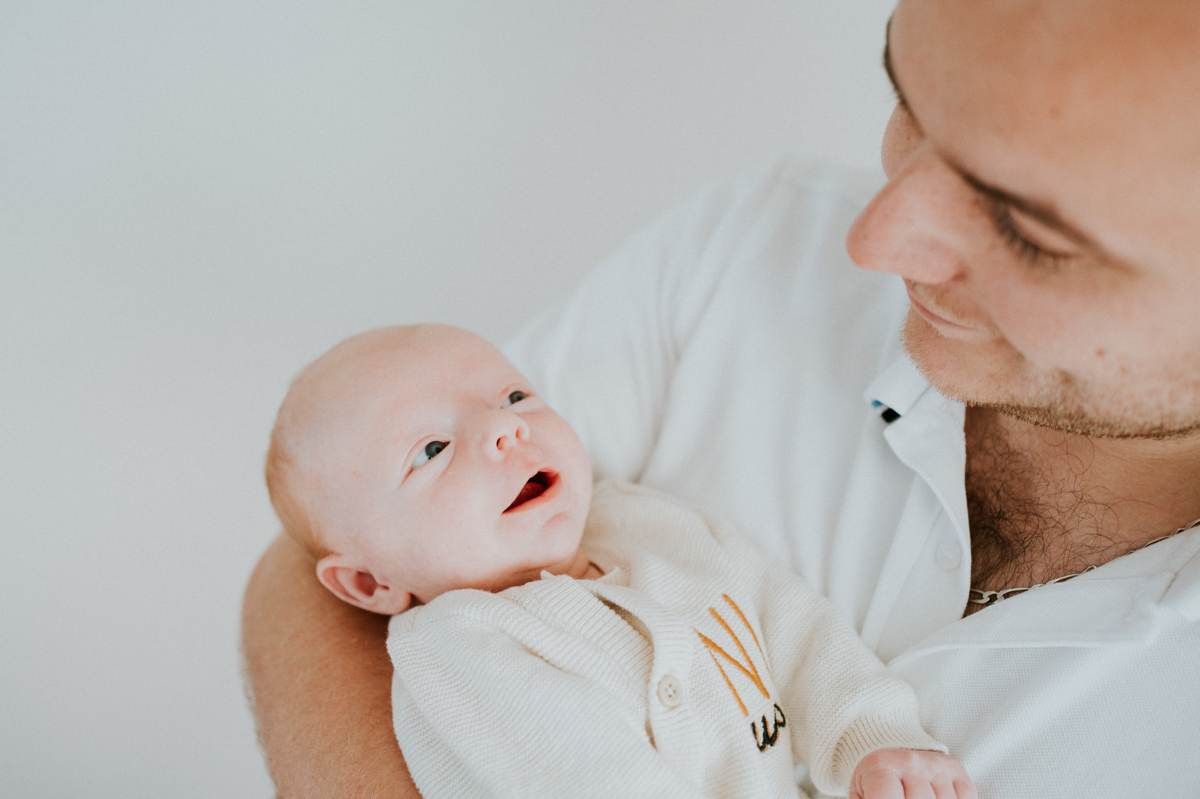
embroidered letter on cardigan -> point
(769, 733)
(768, 739)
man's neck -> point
(1044, 504)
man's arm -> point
(319, 679)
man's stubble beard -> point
(1058, 401)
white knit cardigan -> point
(693, 668)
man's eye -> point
(514, 398)
(428, 453)
(1025, 249)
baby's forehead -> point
(418, 345)
(443, 357)
(398, 367)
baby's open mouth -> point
(534, 487)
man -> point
(1043, 189)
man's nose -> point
(502, 430)
(918, 225)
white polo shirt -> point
(733, 354)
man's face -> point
(443, 468)
(1043, 207)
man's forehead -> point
(1094, 104)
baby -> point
(653, 653)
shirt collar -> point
(1118, 603)
(927, 435)
(1183, 593)
(899, 386)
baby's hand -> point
(910, 774)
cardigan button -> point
(670, 692)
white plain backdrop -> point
(197, 198)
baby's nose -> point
(506, 430)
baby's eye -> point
(428, 453)
(514, 398)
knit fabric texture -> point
(694, 668)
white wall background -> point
(196, 198)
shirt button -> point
(670, 692)
(948, 555)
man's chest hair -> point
(1033, 516)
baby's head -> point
(415, 460)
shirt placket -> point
(925, 578)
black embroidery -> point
(768, 738)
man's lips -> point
(935, 318)
(536, 487)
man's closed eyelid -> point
(1033, 245)
(1027, 250)
(1047, 237)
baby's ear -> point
(353, 584)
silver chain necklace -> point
(986, 598)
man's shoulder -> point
(791, 173)
(787, 194)
(774, 285)
(854, 185)
(783, 228)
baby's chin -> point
(497, 583)
(574, 564)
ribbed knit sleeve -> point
(840, 701)
(844, 703)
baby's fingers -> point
(961, 788)
(919, 789)
(877, 784)
(884, 785)
(910, 774)
(952, 786)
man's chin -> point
(988, 376)
(1066, 420)
(971, 373)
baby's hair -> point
(293, 515)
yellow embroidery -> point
(746, 665)
(728, 682)
(742, 616)
(767, 735)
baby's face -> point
(443, 467)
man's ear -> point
(349, 582)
